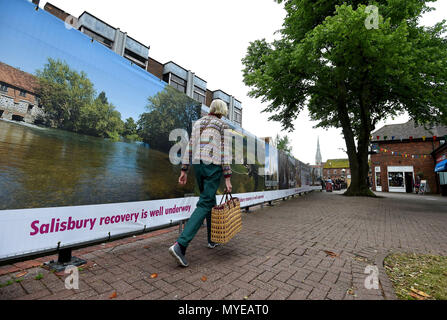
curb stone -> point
(384, 282)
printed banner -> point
(84, 137)
(36, 230)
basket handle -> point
(225, 195)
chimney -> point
(36, 2)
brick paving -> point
(314, 247)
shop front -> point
(400, 179)
(378, 180)
(441, 170)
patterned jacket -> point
(207, 144)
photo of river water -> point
(43, 167)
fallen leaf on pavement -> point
(421, 293)
(204, 278)
(21, 274)
(330, 253)
(416, 296)
(154, 275)
(113, 295)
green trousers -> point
(208, 179)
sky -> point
(33, 37)
(210, 37)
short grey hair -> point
(219, 107)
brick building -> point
(404, 156)
(337, 169)
(137, 53)
(440, 156)
(18, 98)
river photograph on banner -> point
(82, 125)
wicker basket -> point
(226, 220)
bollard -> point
(64, 260)
(64, 255)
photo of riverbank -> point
(82, 125)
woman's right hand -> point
(228, 186)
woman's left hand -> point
(183, 178)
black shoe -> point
(212, 245)
(176, 252)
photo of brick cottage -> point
(404, 156)
(18, 98)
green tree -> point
(167, 110)
(130, 130)
(102, 98)
(349, 76)
(63, 92)
(101, 120)
(283, 143)
(69, 102)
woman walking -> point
(211, 162)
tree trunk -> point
(358, 156)
(359, 176)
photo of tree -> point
(82, 125)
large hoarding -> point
(84, 141)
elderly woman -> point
(210, 161)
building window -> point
(132, 57)
(98, 37)
(178, 83)
(335, 171)
(22, 93)
(443, 178)
(396, 179)
(199, 95)
(238, 115)
(3, 87)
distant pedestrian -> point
(209, 166)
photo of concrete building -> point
(184, 80)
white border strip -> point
(30, 231)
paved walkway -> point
(312, 247)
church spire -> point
(318, 159)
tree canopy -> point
(349, 76)
(283, 143)
(69, 102)
(167, 110)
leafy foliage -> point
(169, 109)
(130, 131)
(283, 143)
(69, 102)
(349, 76)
